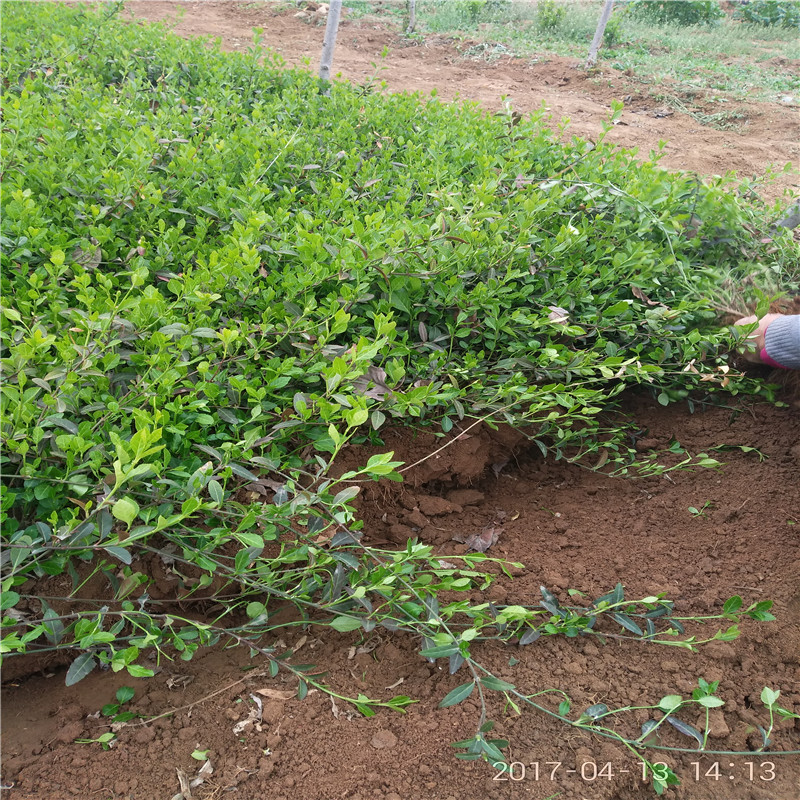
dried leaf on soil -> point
(275, 694)
(482, 541)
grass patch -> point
(729, 55)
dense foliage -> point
(216, 276)
(685, 12)
(550, 14)
(785, 13)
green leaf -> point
(769, 696)
(670, 702)
(255, 610)
(119, 552)
(686, 729)
(215, 492)
(136, 671)
(80, 668)
(345, 624)
(492, 750)
(125, 694)
(457, 695)
(440, 651)
(125, 509)
(711, 702)
(628, 623)
(491, 682)
(618, 308)
(346, 495)
(732, 604)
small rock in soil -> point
(582, 756)
(416, 518)
(435, 506)
(720, 651)
(272, 712)
(70, 732)
(717, 727)
(466, 497)
(383, 739)
(400, 533)
(266, 767)
(144, 735)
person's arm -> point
(776, 341)
(782, 342)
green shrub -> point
(785, 13)
(459, 13)
(677, 12)
(215, 278)
(614, 33)
(549, 14)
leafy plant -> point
(700, 512)
(550, 14)
(614, 33)
(686, 12)
(216, 281)
(783, 13)
(105, 740)
(124, 695)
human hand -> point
(755, 342)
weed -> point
(105, 740)
(124, 695)
(700, 512)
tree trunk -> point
(411, 8)
(331, 29)
(598, 34)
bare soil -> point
(573, 529)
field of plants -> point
(344, 420)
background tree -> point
(411, 14)
(331, 29)
(605, 15)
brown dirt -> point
(767, 137)
(571, 528)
